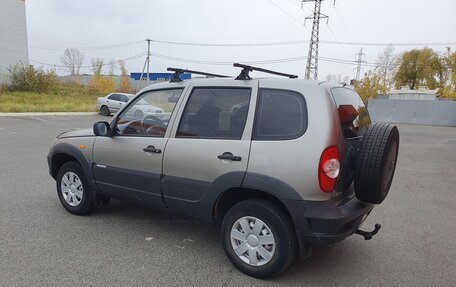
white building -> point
(13, 36)
(404, 93)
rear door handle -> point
(152, 149)
(229, 156)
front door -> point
(129, 164)
(209, 147)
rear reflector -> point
(329, 168)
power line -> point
(258, 44)
(286, 13)
(341, 20)
(232, 44)
(113, 46)
(89, 66)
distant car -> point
(143, 108)
(112, 103)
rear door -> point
(114, 102)
(209, 146)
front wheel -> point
(74, 190)
(258, 238)
(104, 110)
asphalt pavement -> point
(127, 245)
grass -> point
(63, 98)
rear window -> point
(352, 112)
(281, 115)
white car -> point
(113, 103)
(143, 108)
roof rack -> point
(244, 75)
(178, 72)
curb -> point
(48, 114)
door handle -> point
(152, 149)
(229, 156)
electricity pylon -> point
(312, 58)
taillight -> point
(329, 168)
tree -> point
(448, 80)
(387, 66)
(112, 65)
(417, 67)
(369, 86)
(97, 66)
(125, 86)
(72, 59)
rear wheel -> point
(258, 238)
(104, 110)
(74, 190)
(376, 162)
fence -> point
(435, 113)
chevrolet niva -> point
(280, 164)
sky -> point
(116, 30)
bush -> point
(102, 84)
(29, 78)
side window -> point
(149, 114)
(124, 98)
(215, 113)
(281, 115)
(114, 97)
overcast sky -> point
(91, 26)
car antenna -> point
(178, 72)
(244, 75)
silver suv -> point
(280, 165)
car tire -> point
(74, 190)
(104, 110)
(376, 162)
(239, 231)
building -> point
(13, 36)
(404, 93)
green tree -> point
(418, 67)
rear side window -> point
(124, 98)
(280, 115)
(352, 112)
(215, 113)
(114, 97)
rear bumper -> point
(322, 223)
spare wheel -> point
(376, 162)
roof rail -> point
(178, 72)
(244, 75)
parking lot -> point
(124, 244)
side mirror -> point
(102, 129)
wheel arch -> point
(63, 153)
(232, 196)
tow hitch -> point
(369, 234)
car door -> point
(114, 102)
(209, 147)
(129, 163)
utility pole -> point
(148, 60)
(312, 58)
(146, 64)
(359, 63)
